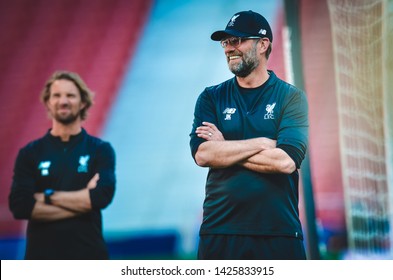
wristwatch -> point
(47, 194)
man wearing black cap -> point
(251, 131)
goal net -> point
(362, 43)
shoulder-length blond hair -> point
(86, 94)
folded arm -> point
(257, 154)
(217, 152)
(47, 212)
(97, 194)
(64, 204)
(270, 161)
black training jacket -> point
(49, 163)
(238, 200)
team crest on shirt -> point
(228, 112)
(83, 164)
(269, 111)
(44, 167)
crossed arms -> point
(64, 204)
(26, 203)
(257, 154)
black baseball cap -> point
(245, 24)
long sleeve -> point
(293, 130)
(21, 199)
(102, 195)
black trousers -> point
(250, 247)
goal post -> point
(388, 98)
(362, 38)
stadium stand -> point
(95, 38)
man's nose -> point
(229, 48)
(63, 99)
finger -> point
(204, 136)
(95, 178)
(211, 125)
(93, 181)
(204, 129)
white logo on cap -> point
(232, 21)
(262, 31)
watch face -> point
(48, 192)
(47, 195)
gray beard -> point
(248, 64)
(243, 69)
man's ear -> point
(46, 105)
(48, 112)
(83, 105)
(264, 45)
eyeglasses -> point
(235, 41)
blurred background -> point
(147, 61)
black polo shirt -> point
(238, 200)
(67, 166)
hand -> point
(39, 197)
(93, 182)
(268, 143)
(209, 132)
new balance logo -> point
(44, 166)
(228, 112)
